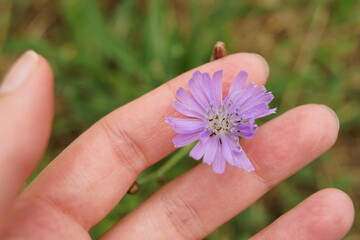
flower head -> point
(217, 123)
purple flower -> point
(218, 123)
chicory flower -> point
(217, 123)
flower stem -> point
(168, 165)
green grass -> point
(107, 53)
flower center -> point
(219, 123)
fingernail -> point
(336, 116)
(264, 61)
(19, 72)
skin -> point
(83, 184)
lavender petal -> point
(242, 161)
(257, 111)
(187, 99)
(246, 130)
(206, 86)
(198, 151)
(186, 125)
(185, 139)
(196, 90)
(238, 82)
(219, 163)
(226, 149)
(239, 97)
(268, 112)
(265, 98)
(184, 109)
(213, 148)
(216, 86)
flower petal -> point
(184, 109)
(219, 163)
(186, 125)
(226, 149)
(260, 110)
(198, 151)
(187, 99)
(242, 161)
(216, 87)
(264, 98)
(239, 97)
(196, 89)
(239, 158)
(268, 112)
(260, 97)
(205, 83)
(212, 149)
(239, 82)
(185, 139)
(246, 130)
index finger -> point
(97, 169)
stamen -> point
(221, 122)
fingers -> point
(195, 204)
(26, 110)
(326, 215)
(98, 168)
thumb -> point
(26, 110)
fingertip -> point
(329, 122)
(42, 86)
(318, 123)
(342, 209)
(334, 115)
(327, 214)
(265, 63)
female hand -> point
(83, 184)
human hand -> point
(83, 184)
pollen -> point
(219, 124)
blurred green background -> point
(107, 53)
